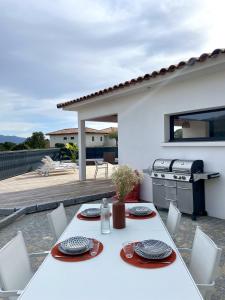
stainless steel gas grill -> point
(163, 191)
(181, 182)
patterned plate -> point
(153, 249)
(75, 245)
(91, 212)
(140, 211)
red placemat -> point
(79, 216)
(69, 258)
(130, 216)
(141, 262)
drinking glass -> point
(127, 212)
(94, 249)
(128, 248)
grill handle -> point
(170, 186)
(184, 188)
(159, 184)
(167, 199)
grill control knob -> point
(175, 176)
(183, 177)
(162, 175)
(155, 174)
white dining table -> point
(107, 276)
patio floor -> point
(31, 188)
(38, 237)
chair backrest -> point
(205, 258)
(173, 220)
(109, 157)
(47, 166)
(99, 162)
(15, 268)
(49, 159)
(57, 221)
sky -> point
(54, 51)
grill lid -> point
(164, 165)
(187, 166)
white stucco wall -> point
(89, 143)
(143, 129)
(60, 139)
(98, 140)
(109, 142)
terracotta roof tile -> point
(191, 62)
(108, 130)
(75, 131)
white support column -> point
(82, 149)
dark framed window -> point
(101, 138)
(206, 125)
(65, 138)
(72, 138)
(93, 138)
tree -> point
(59, 145)
(114, 135)
(73, 149)
(37, 140)
(178, 134)
(6, 146)
(21, 146)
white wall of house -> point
(143, 127)
(70, 138)
(109, 142)
(92, 140)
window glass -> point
(205, 125)
(72, 137)
(65, 138)
(101, 138)
(93, 138)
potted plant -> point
(124, 178)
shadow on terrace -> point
(32, 189)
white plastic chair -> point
(204, 262)
(50, 166)
(173, 220)
(15, 268)
(69, 165)
(100, 164)
(51, 161)
(58, 221)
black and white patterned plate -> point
(140, 211)
(153, 249)
(91, 212)
(75, 245)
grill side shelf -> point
(205, 176)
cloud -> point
(22, 115)
(56, 50)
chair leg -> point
(96, 171)
(107, 170)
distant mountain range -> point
(12, 139)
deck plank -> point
(30, 188)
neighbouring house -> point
(93, 137)
(176, 112)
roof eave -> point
(212, 63)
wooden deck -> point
(30, 188)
